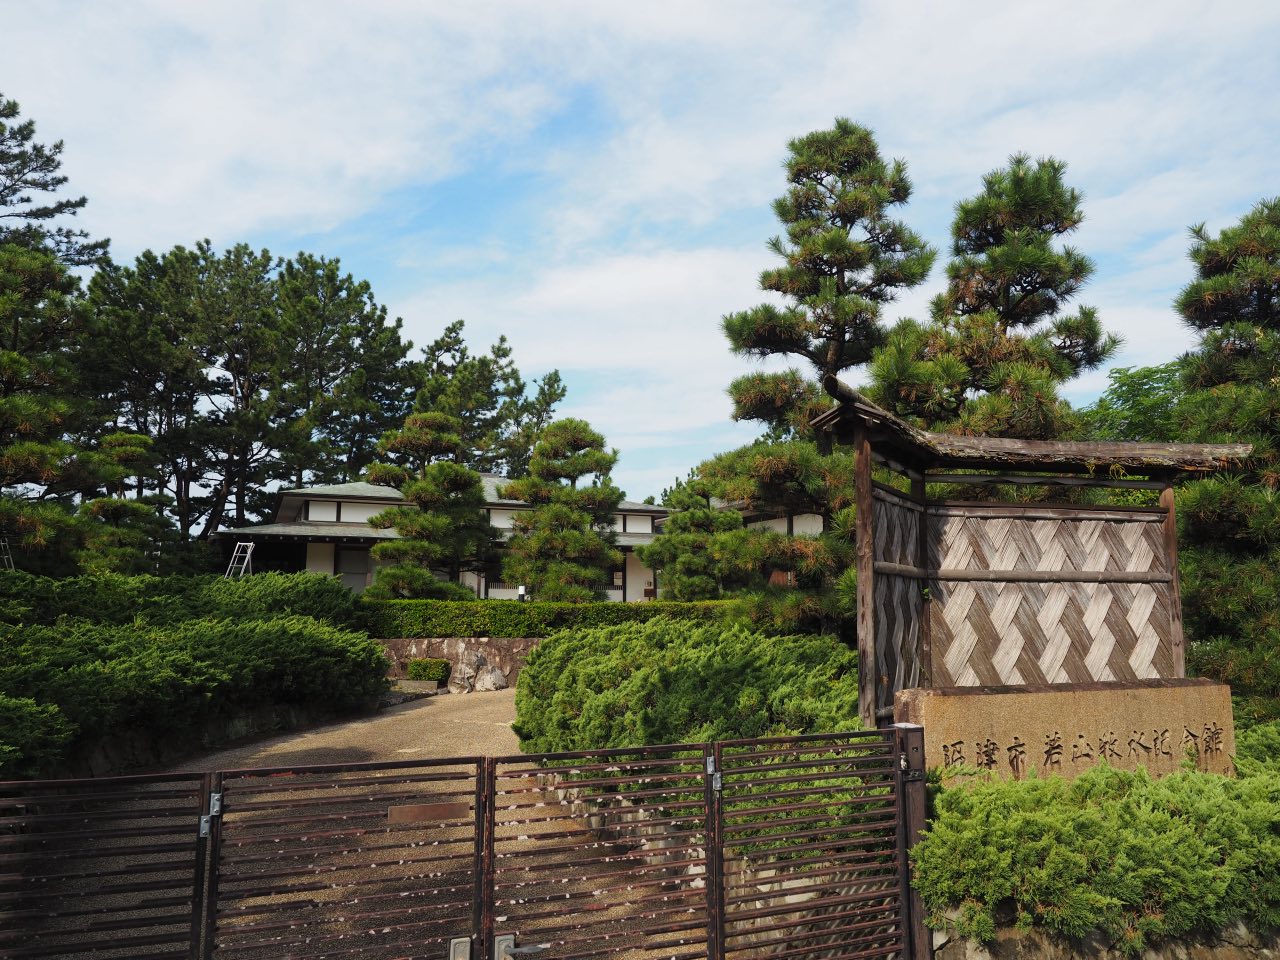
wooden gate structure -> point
(989, 593)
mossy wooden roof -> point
(925, 450)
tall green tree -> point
(444, 530)
(1230, 559)
(564, 549)
(346, 381)
(844, 258)
(696, 553)
(500, 419)
(1001, 340)
(29, 176)
(145, 362)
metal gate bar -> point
(360, 860)
(787, 847)
(110, 867)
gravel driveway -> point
(448, 725)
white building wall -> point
(639, 577)
(807, 523)
(776, 524)
(355, 512)
(639, 523)
(502, 518)
(320, 558)
(322, 510)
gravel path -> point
(448, 725)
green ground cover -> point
(90, 658)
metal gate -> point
(781, 848)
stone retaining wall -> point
(507, 654)
(1235, 943)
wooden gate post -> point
(912, 800)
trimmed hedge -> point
(511, 618)
(1111, 851)
(429, 668)
(116, 599)
(671, 681)
(64, 686)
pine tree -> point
(844, 259)
(444, 530)
(564, 549)
(696, 555)
(1230, 559)
(346, 380)
(500, 421)
(27, 170)
(999, 343)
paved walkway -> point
(448, 725)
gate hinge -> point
(215, 810)
(717, 783)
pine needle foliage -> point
(844, 257)
(1000, 341)
(564, 548)
(1230, 560)
(444, 530)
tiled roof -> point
(332, 531)
(369, 491)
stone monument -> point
(1039, 636)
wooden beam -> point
(1020, 576)
(1021, 479)
(1170, 532)
(868, 676)
(989, 510)
(924, 647)
(882, 491)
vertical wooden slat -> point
(1170, 527)
(868, 674)
(925, 651)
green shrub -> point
(511, 618)
(32, 737)
(1110, 851)
(430, 668)
(117, 599)
(672, 681)
(171, 679)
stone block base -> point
(1068, 728)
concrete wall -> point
(809, 524)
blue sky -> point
(593, 179)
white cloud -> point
(648, 217)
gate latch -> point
(912, 776)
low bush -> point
(32, 736)
(430, 668)
(1111, 851)
(511, 618)
(672, 681)
(116, 599)
(168, 679)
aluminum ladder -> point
(6, 557)
(241, 561)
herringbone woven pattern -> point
(976, 543)
(898, 602)
(1016, 633)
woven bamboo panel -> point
(898, 602)
(897, 531)
(1017, 633)
(978, 543)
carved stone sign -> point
(1068, 728)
